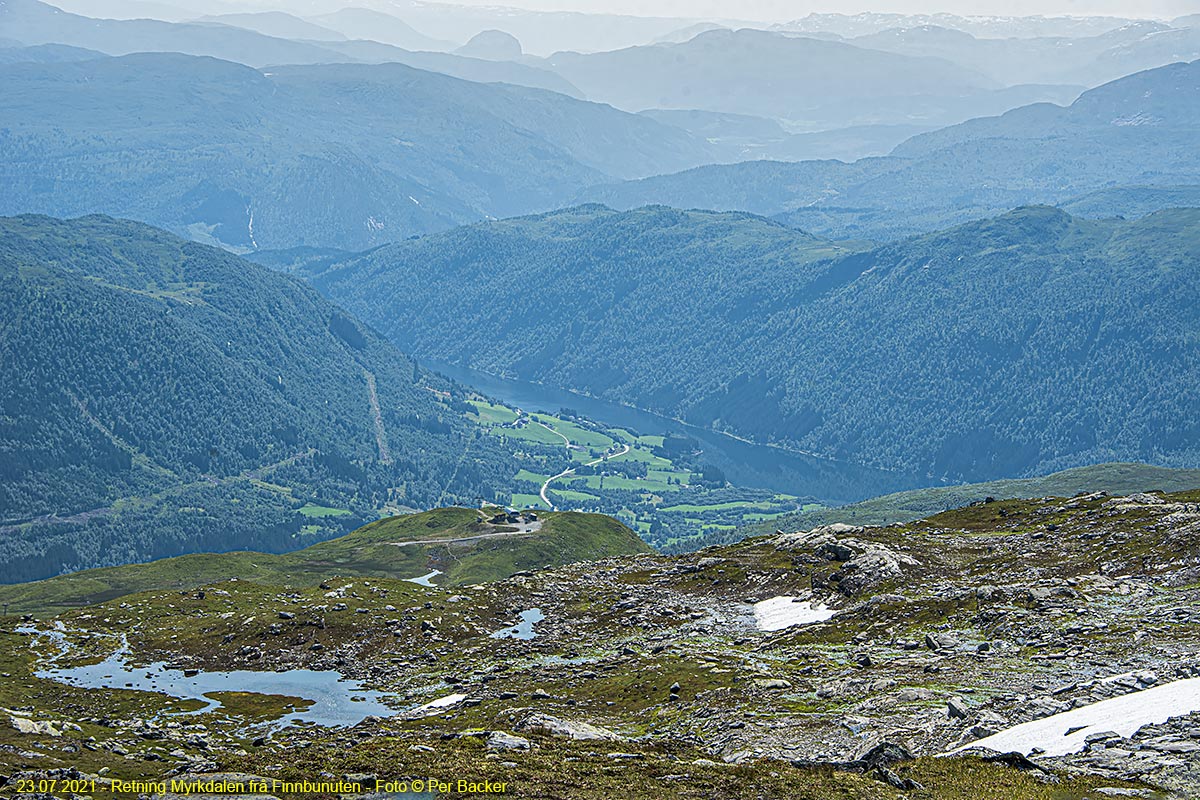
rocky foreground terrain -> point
(840, 662)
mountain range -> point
(337, 155)
(369, 24)
(32, 22)
(433, 399)
(990, 26)
(1141, 130)
(1086, 60)
(914, 72)
(1009, 346)
(264, 39)
(816, 83)
(421, 25)
(393, 152)
(914, 76)
(276, 23)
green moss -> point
(251, 706)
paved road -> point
(566, 441)
(524, 530)
(571, 471)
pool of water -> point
(524, 628)
(336, 701)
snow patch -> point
(783, 612)
(426, 579)
(443, 702)
(1065, 733)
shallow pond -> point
(524, 628)
(335, 701)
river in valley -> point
(744, 463)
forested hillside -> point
(1142, 130)
(162, 397)
(551, 297)
(1010, 346)
(339, 155)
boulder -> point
(885, 754)
(835, 551)
(956, 708)
(870, 569)
(499, 740)
(567, 729)
(940, 641)
(38, 728)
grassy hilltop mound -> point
(460, 543)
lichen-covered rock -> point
(567, 729)
(30, 726)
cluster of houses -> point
(513, 518)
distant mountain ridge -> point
(1142, 130)
(336, 155)
(1086, 60)
(33, 22)
(366, 23)
(455, 65)
(818, 83)
(993, 26)
(1017, 345)
(265, 39)
(1158, 99)
(275, 23)
(46, 54)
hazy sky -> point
(791, 9)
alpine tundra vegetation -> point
(591, 399)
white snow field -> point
(1064, 733)
(784, 612)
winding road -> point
(571, 471)
(566, 441)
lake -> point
(335, 700)
(744, 463)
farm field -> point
(662, 489)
